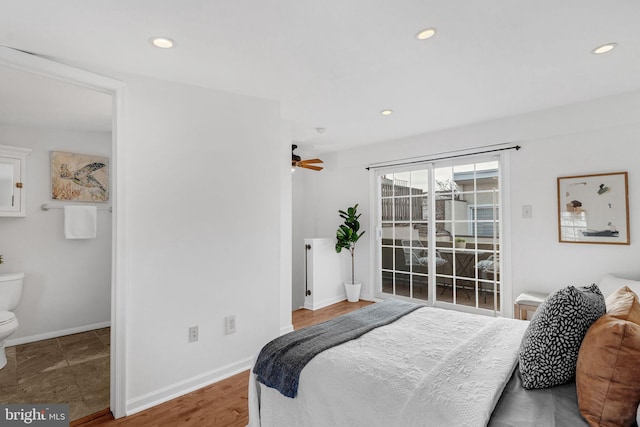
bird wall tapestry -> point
(79, 177)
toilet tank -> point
(10, 290)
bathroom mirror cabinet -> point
(12, 180)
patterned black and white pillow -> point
(549, 348)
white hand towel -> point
(80, 222)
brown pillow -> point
(608, 374)
(624, 305)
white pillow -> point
(610, 283)
(638, 416)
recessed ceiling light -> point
(604, 48)
(162, 42)
(427, 33)
(386, 112)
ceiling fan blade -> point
(296, 162)
(312, 161)
(315, 168)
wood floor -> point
(223, 404)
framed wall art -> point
(79, 177)
(594, 209)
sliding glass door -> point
(438, 229)
(403, 227)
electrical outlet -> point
(193, 334)
(230, 325)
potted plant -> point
(461, 242)
(347, 235)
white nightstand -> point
(527, 301)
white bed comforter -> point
(432, 367)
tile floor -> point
(73, 369)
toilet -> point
(10, 293)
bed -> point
(431, 367)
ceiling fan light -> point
(386, 112)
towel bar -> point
(46, 207)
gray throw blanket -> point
(281, 361)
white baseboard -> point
(323, 303)
(187, 386)
(56, 334)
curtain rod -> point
(453, 156)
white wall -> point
(301, 195)
(317, 198)
(591, 137)
(67, 287)
(286, 230)
(539, 260)
(204, 199)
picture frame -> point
(79, 177)
(594, 209)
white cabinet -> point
(12, 180)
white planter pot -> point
(353, 291)
(461, 245)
